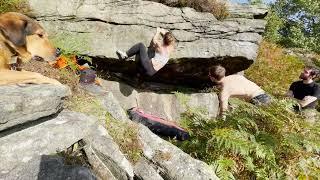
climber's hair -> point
(168, 39)
(217, 72)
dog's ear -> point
(32, 27)
(15, 31)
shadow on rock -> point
(53, 167)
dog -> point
(23, 39)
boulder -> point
(173, 163)
(258, 11)
(105, 156)
(106, 98)
(99, 28)
(32, 152)
(165, 105)
(21, 104)
(144, 170)
(25, 152)
(47, 167)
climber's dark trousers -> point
(141, 50)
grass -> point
(14, 5)
(71, 43)
(125, 134)
(86, 104)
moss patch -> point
(84, 103)
(125, 135)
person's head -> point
(216, 73)
(169, 39)
(309, 72)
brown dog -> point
(23, 37)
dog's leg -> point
(24, 77)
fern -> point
(249, 164)
(235, 141)
(264, 142)
(223, 168)
(309, 168)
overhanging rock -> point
(101, 27)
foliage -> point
(255, 2)
(71, 44)
(296, 22)
(274, 23)
(13, 5)
(217, 7)
(273, 70)
(255, 142)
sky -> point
(245, 1)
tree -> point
(295, 23)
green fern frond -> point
(266, 139)
(309, 168)
(233, 140)
(249, 163)
(264, 142)
(223, 168)
(294, 141)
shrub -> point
(13, 5)
(299, 25)
(269, 142)
(274, 24)
(273, 70)
(217, 7)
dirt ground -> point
(65, 76)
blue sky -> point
(245, 1)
